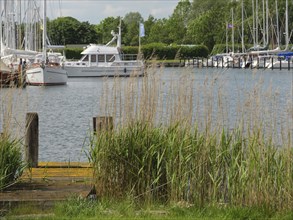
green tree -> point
(177, 23)
(207, 29)
(131, 32)
(68, 30)
(105, 28)
(159, 33)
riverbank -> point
(109, 209)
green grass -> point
(172, 143)
(76, 208)
(171, 164)
(11, 164)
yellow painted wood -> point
(59, 170)
(64, 164)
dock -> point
(48, 183)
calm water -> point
(66, 112)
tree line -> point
(197, 22)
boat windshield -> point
(53, 59)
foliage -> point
(68, 30)
(105, 28)
(192, 22)
(73, 53)
(129, 208)
(11, 164)
(153, 51)
(164, 148)
(177, 164)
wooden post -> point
(102, 123)
(32, 139)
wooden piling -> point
(32, 139)
(102, 123)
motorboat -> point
(105, 60)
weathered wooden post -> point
(32, 139)
(102, 123)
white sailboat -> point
(284, 58)
(46, 68)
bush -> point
(157, 51)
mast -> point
(256, 21)
(1, 28)
(267, 21)
(264, 23)
(119, 35)
(232, 30)
(287, 27)
(242, 26)
(227, 47)
(44, 32)
(277, 20)
(253, 24)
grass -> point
(11, 151)
(11, 164)
(77, 208)
(173, 153)
(175, 142)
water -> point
(66, 112)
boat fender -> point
(125, 70)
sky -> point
(94, 11)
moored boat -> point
(46, 68)
(105, 60)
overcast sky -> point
(95, 11)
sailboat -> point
(46, 68)
(285, 57)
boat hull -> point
(107, 71)
(46, 76)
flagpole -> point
(141, 34)
(139, 38)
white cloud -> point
(94, 11)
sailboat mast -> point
(232, 29)
(1, 35)
(267, 21)
(264, 23)
(253, 24)
(277, 20)
(44, 32)
(242, 26)
(256, 21)
(287, 27)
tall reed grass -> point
(11, 151)
(11, 163)
(178, 140)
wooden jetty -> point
(44, 183)
(48, 183)
(276, 64)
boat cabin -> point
(95, 55)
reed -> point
(181, 141)
(11, 151)
(11, 163)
